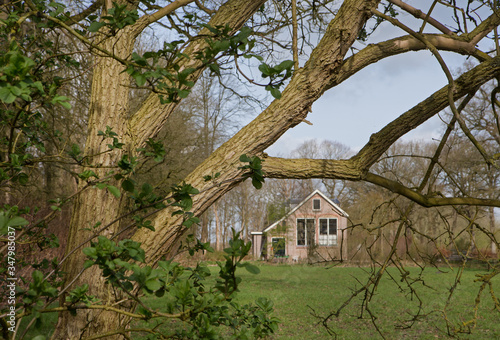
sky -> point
(371, 99)
(378, 94)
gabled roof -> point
(329, 201)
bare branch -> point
(82, 15)
(147, 121)
(451, 82)
(421, 15)
(294, 35)
(426, 200)
(145, 21)
(203, 8)
(382, 140)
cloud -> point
(369, 100)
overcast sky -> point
(369, 100)
(366, 102)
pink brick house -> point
(315, 227)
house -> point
(313, 227)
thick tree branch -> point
(86, 12)
(426, 200)
(349, 170)
(483, 28)
(305, 87)
(376, 52)
(304, 168)
(382, 140)
(463, 44)
(147, 20)
(151, 117)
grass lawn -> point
(299, 290)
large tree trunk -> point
(108, 107)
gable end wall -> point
(300, 253)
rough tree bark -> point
(109, 107)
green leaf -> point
(153, 284)
(266, 71)
(183, 93)
(276, 93)
(90, 252)
(285, 65)
(6, 96)
(16, 91)
(17, 222)
(128, 185)
(95, 26)
(140, 79)
(251, 268)
(62, 100)
(88, 264)
(87, 174)
(38, 85)
(101, 185)
(245, 159)
(37, 278)
(244, 32)
(256, 163)
(256, 183)
(114, 190)
(214, 68)
(189, 222)
(66, 105)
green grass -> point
(299, 290)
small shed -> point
(314, 227)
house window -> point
(305, 231)
(316, 204)
(278, 246)
(327, 231)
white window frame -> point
(307, 243)
(327, 239)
